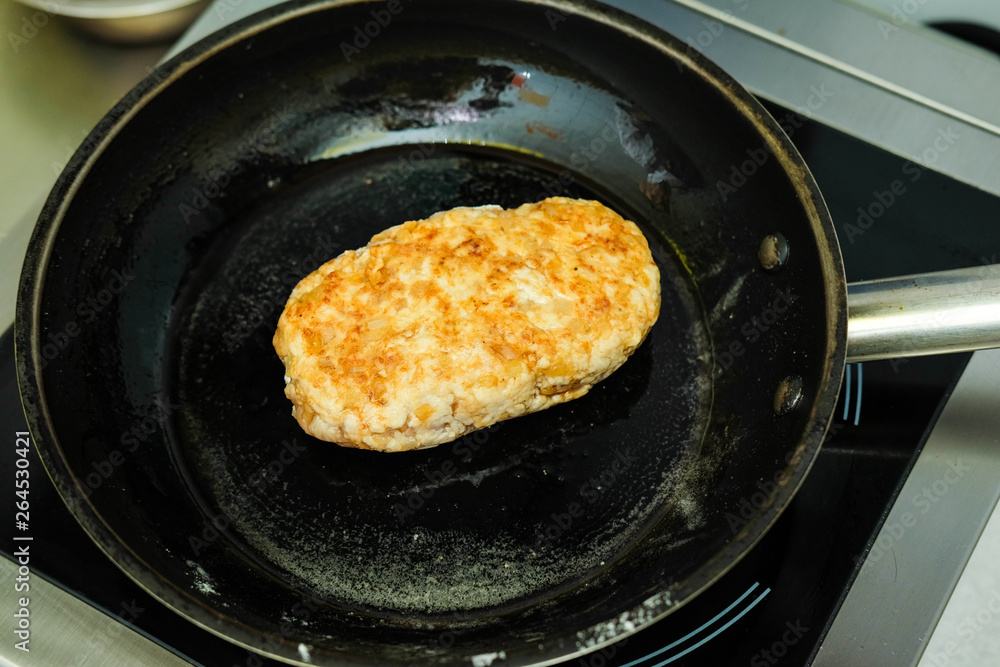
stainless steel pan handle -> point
(929, 313)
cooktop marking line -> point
(847, 396)
(717, 632)
(857, 408)
(703, 626)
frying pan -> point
(166, 250)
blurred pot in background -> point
(125, 21)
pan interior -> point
(166, 253)
(498, 519)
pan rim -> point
(29, 305)
(824, 231)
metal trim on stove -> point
(911, 91)
(929, 534)
(72, 632)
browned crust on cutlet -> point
(441, 326)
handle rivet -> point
(788, 395)
(773, 252)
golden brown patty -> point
(441, 326)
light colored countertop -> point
(968, 634)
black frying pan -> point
(162, 259)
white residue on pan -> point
(304, 653)
(714, 270)
(414, 570)
(324, 549)
(625, 623)
(729, 299)
(659, 602)
(639, 146)
(202, 581)
(605, 632)
(474, 478)
(441, 572)
(289, 618)
(477, 477)
(690, 509)
(486, 659)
